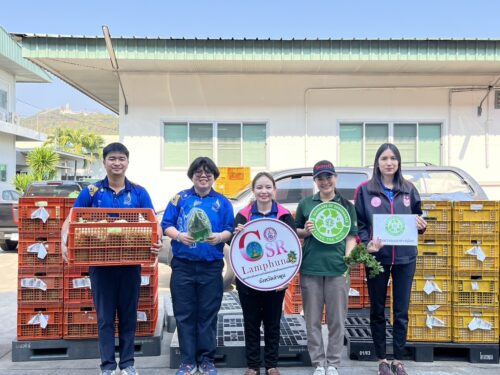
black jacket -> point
(406, 201)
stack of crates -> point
(40, 269)
(232, 179)
(430, 312)
(357, 292)
(109, 237)
(476, 272)
(80, 320)
(293, 297)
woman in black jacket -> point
(262, 306)
(389, 193)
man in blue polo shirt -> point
(115, 289)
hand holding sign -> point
(266, 254)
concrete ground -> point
(160, 364)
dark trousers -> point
(196, 289)
(402, 278)
(116, 291)
(259, 306)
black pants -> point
(266, 307)
(116, 292)
(402, 278)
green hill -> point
(47, 121)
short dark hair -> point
(205, 163)
(263, 174)
(115, 147)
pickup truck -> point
(8, 228)
(432, 182)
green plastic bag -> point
(199, 226)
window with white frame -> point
(228, 144)
(417, 142)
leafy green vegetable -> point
(360, 255)
(199, 226)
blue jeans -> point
(196, 289)
(115, 289)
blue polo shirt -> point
(100, 195)
(218, 209)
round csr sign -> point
(394, 226)
(266, 254)
(332, 222)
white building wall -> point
(7, 141)
(8, 154)
(294, 105)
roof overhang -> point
(63, 154)
(21, 133)
(84, 62)
(12, 61)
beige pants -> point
(332, 292)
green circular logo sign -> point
(394, 226)
(332, 222)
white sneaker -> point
(331, 371)
(320, 370)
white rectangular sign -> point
(398, 230)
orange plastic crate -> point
(79, 321)
(357, 302)
(295, 297)
(100, 236)
(357, 273)
(147, 327)
(292, 308)
(35, 296)
(30, 229)
(53, 205)
(52, 259)
(75, 289)
(53, 330)
(150, 290)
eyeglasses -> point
(202, 172)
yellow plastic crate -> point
(475, 290)
(464, 316)
(419, 296)
(232, 179)
(417, 324)
(434, 253)
(438, 215)
(477, 217)
(463, 262)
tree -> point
(21, 181)
(43, 163)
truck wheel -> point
(165, 256)
(9, 245)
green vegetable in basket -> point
(199, 226)
(360, 255)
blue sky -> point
(238, 19)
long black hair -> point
(399, 182)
